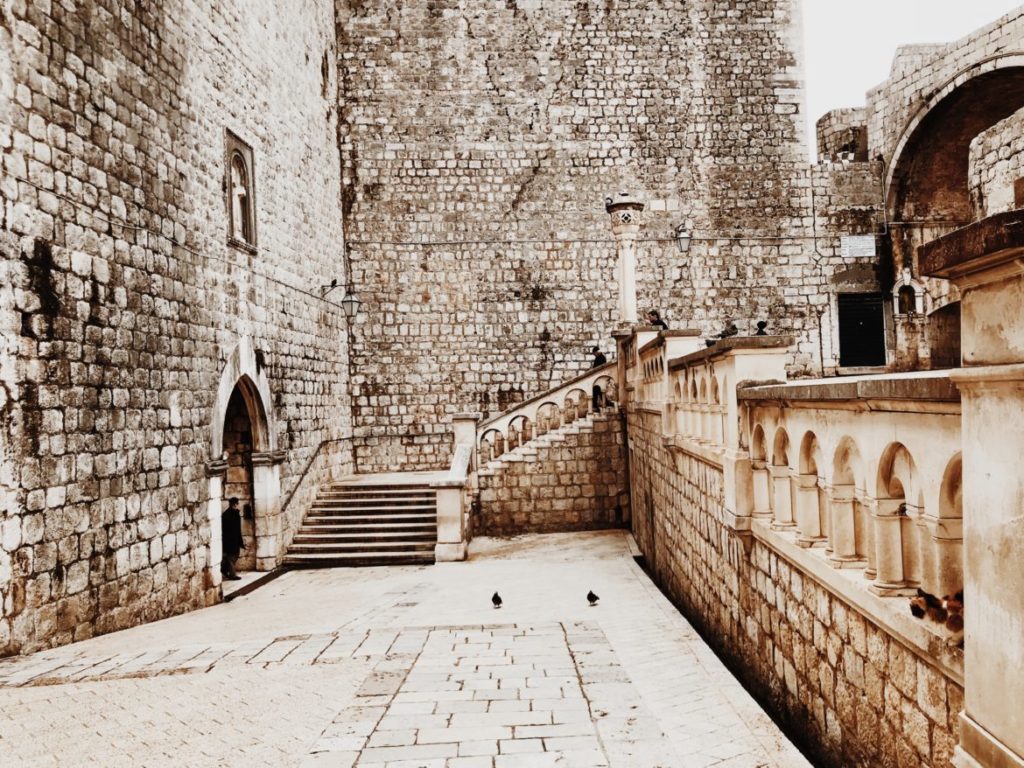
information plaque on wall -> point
(857, 246)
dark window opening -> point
(861, 330)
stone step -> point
(323, 504)
(321, 519)
(357, 559)
(346, 526)
(401, 545)
(382, 489)
(316, 536)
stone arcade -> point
(189, 188)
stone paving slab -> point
(403, 667)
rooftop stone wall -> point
(997, 165)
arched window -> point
(241, 199)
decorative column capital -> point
(625, 209)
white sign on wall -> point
(857, 246)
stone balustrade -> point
(544, 413)
(866, 469)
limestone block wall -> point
(479, 143)
(851, 692)
(997, 168)
(572, 479)
(121, 299)
(843, 132)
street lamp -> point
(350, 304)
(683, 238)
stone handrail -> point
(561, 405)
(452, 528)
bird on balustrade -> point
(496, 600)
(592, 598)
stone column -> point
(844, 530)
(782, 498)
(986, 262)
(888, 525)
(808, 512)
(266, 505)
(625, 211)
(760, 482)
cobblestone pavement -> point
(405, 667)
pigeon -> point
(496, 600)
(592, 598)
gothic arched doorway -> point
(238, 480)
(245, 463)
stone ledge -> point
(934, 387)
(988, 243)
(659, 340)
(724, 346)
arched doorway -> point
(238, 478)
(245, 463)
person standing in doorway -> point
(231, 539)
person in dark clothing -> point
(596, 393)
(654, 319)
(231, 539)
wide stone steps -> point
(362, 524)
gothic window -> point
(241, 198)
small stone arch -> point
(780, 448)
(811, 501)
(762, 498)
(492, 444)
(899, 520)
(951, 503)
(758, 444)
(781, 475)
(577, 403)
(549, 417)
(850, 531)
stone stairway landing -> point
(387, 520)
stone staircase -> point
(361, 523)
(529, 450)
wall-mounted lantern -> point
(683, 239)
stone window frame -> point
(237, 150)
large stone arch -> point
(927, 194)
(244, 372)
(974, 99)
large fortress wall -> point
(121, 300)
(479, 141)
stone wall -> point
(997, 168)
(121, 298)
(572, 479)
(850, 692)
(843, 134)
(479, 144)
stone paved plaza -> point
(405, 667)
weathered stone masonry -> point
(479, 143)
(121, 301)
(857, 695)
